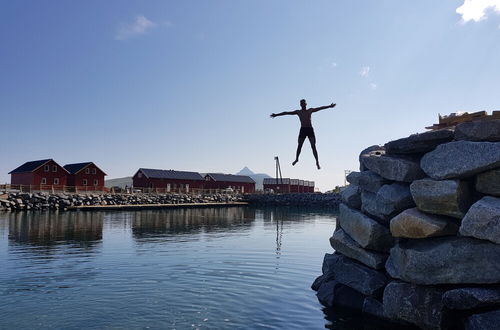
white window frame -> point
(46, 168)
(94, 171)
(87, 170)
(84, 182)
(96, 182)
(56, 181)
(44, 181)
(54, 168)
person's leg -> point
(312, 140)
(299, 148)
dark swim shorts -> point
(306, 132)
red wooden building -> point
(85, 175)
(286, 185)
(39, 172)
(241, 183)
(168, 180)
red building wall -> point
(162, 183)
(35, 177)
(283, 188)
(78, 178)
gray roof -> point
(170, 174)
(30, 166)
(230, 178)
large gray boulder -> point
(489, 182)
(446, 197)
(366, 151)
(373, 307)
(415, 304)
(483, 321)
(353, 178)
(371, 181)
(333, 293)
(445, 260)
(461, 159)
(480, 130)
(419, 143)
(355, 275)
(471, 298)
(412, 223)
(392, 168)
(389, 200)
(352, 196)
(342, 243)
(483, 220)
(365, 231)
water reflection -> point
(147, 224)
(54, 228)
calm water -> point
(220, 268)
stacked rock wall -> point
(418, 234)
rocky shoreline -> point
(62, 201)
(322, 200)
(418, 235)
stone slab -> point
(471, 298)
(480, 130)
(489, 182)
(419, 143)
(393, 168)
(483, 220)
(413, 223)
(351, 196)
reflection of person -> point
(306, 129)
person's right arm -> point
(284, 113)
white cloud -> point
(373, 86)
(140, 25)
(365, 71)
(333, 65)
(477, 10)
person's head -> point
(303, 104)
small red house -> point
(169, 180)
(277, 185)
(39, 172)
(242, 183)
(85, 175)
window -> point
(87, 170)
(46, 168)
(44, 181)
(56, 180)
(84, 182)
(94, 171)
(54, 168)
(139, 175)
(96, 182)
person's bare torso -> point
(305, 117)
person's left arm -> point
(323, 108)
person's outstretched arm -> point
(324, 107)
(284, 113)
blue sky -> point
(190, 85)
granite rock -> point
(461, 159)
(389, 201)
(412, 223)
(483, 220)
(333, 293)
(374, 148)
(489, 182)
(446, 197)
(418, 305)
(483, 321)
(393, 168)
(342, 243)
(351, 196)
(419, 143)
(365, 231)
(445, 260)
(479, 130)
(370, 181)
(355, 275)
(373, 307)
(471, 298)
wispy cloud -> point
(333, 65)
(373, 86)
(365, 71)
(140, 25)
(477, 10)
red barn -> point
(167, 180)
(85, 175)
(277, 185)
(39, 172)
(241, 183)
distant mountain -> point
(119, 182)
(257, 177)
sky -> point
(190, 85)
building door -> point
(168, 187)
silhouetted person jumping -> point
(306, 129)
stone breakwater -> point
(329, 200)
(46, 201)
(418, 235)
